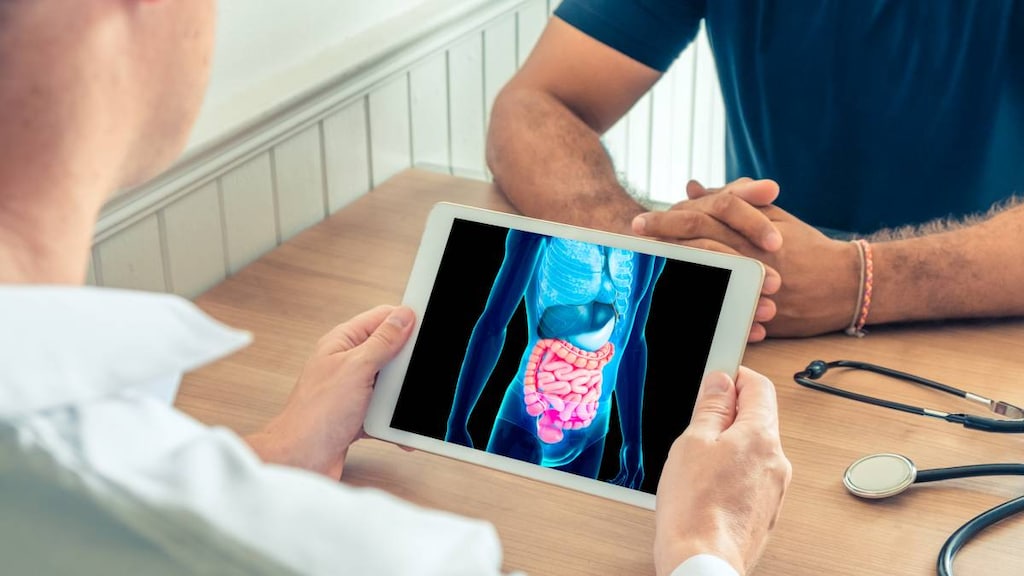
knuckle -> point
(384, 336)
(766, 438)
(722, 203)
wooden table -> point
(362, 256)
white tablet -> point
(560, 353)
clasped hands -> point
(811, 280)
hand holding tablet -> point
(558, 353)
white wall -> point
(260, 40)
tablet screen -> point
(565, 354)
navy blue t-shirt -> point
(869, 113)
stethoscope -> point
(885, 475)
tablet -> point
(559, 353)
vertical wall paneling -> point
(703, 120)
(532, 19)
(298, 173)
(499, 59)
(466, 106)
(638, 141)
(672, 124)
(133, 259)
(662, 165)
(194, 242)
(685, 80)
(390, 137)
(615, 142)
(346, 155)
(249, 212)
(428, 89)
(717, 177)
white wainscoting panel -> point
(638, 139)
(704, 121)
(194, 237)
(299, 182)
(466, 108)
(499, 59)
(717, 176)
(346, 155)
(615, 142)
(680, 134)
(671, 131)
(134, 258)
(249, 212)
(428, 87)
(390, 137)
(533, 17)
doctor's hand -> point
(326, 409)
(726, 219)
(723, 484)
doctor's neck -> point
(68, 124)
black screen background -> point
(684, 313)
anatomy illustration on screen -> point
(586, 308)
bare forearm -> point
(975, 271)
(551, 165)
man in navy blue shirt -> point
(899, 115)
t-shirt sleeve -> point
(652, 32)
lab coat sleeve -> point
(161, 459)
(705, 565)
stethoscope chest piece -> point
(880, 476)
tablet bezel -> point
(725, 355)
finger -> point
(715, 408)
(756, 403)
(389, 337)
(757, 333)
(348, 335)
(730, 211)
(709, 245)
(692, 224)
(765, 310)
(756, 192)
(695, 190)
(772, 281)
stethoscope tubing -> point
(972, 471)
(969, 530)
(816, 369)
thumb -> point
(715, 408)
(389, 337)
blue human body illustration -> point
(586, 307)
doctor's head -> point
(107, 90)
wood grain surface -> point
(362, 256)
